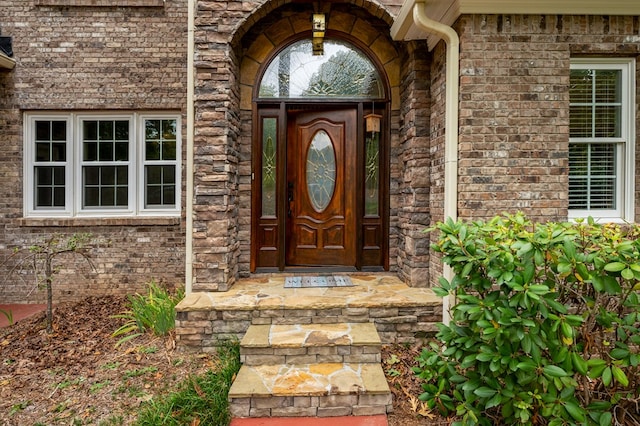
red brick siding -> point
(514, 107)
(91, 59)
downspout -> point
(188, 275)
(452, 42)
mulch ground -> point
(77, 375)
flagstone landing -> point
(399, 312)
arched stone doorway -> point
(348, 229)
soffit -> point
(447, 11)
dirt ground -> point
(77, 375)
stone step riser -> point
(333, 354)
(312, 406)
(303, 370)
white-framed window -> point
(602, 139)
(97, 165)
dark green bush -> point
(545, 326)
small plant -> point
(546, 328)
(96, 387)
(16, 408)
(112, 365)
(42, 256)
(201, 400)
(8, 315)
(139, 372)
(154, 311)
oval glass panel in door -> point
(321, 171)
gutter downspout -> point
(452, 42)
(188, 276)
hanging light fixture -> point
(372, 121)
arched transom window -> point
(343, 71)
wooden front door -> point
(321, 188)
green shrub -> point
(154, 311)
(545, 326)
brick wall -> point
(90, 58)
(514, 107)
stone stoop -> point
(310, 370)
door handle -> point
(289, 197)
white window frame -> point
(624, 145)
(74, 163)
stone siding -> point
(411, 179)
(89, 56)
(204, 330)
(233, 40)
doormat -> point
(309, 282)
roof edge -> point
(6, 62)
(447, 12)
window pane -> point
(47, 132)
(607, 122)
(43, 197)
(154, 195)
(152, 129)
(58, 152)
(58, 196)
(152, 150)
(90, 130)
(122, 175)
(321, 171)
(169, 150)
(343, 71)
(44, 176)
(596, 108)
(90, 151)
(49, 186)
(607, 89)
(43, 131)
(105, 151)
(106, 130)
(592, 176)
(91, 196)
(58, 131)
(122, 196)
(169, 174)
(42, 151)
(154, 175)
(372, 174)
(169, 195)
(580, 121)
(169, 129)
(58, 176)
(581, 86)
(269, 149)
(122, 130)
(107, 176)
(107, 196)
(160, 187)
(122, 151)
(104, 186)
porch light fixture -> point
(372, 123)
(318, 29)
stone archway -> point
(281, 25)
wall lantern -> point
(372, 123)
(318, 29)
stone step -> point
(322, 389)
(310, 343)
